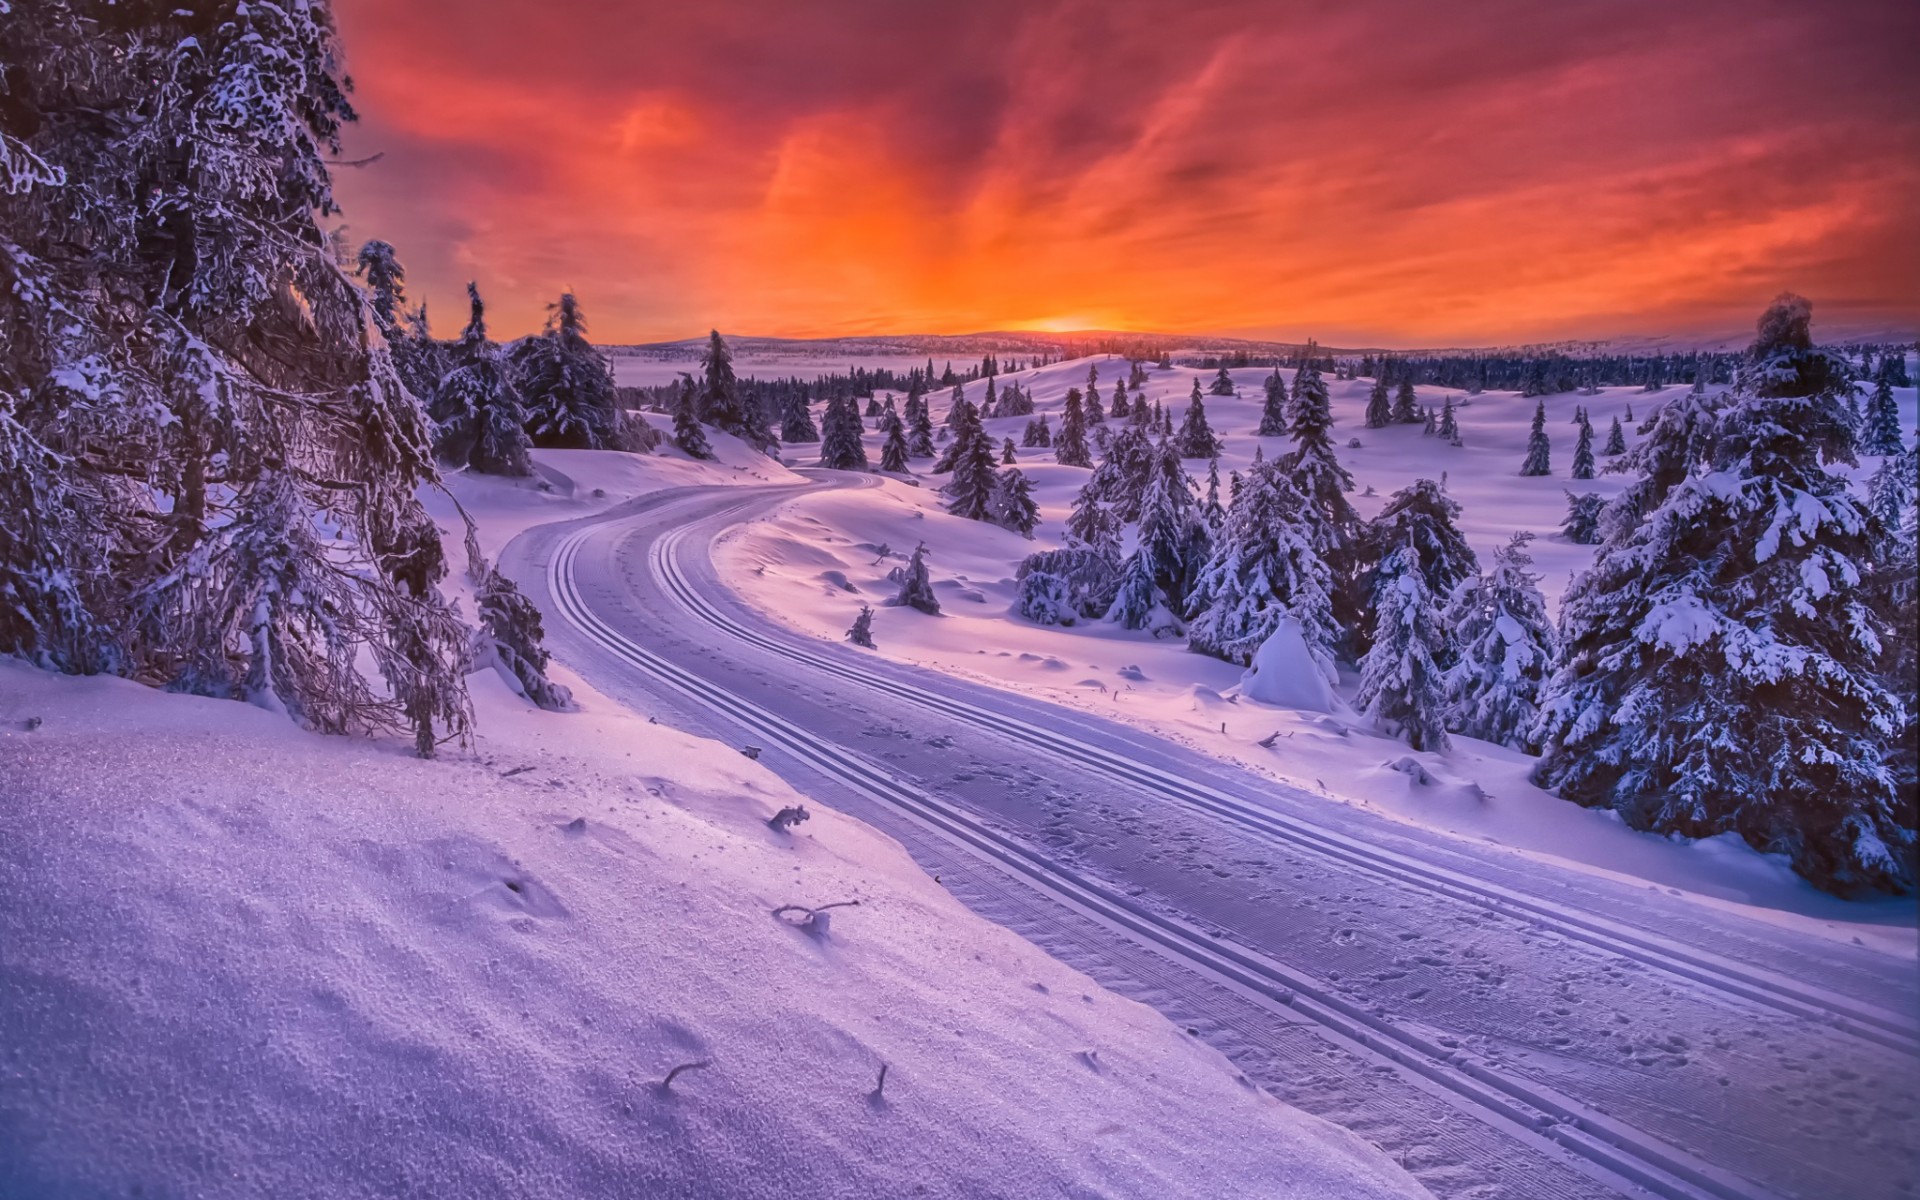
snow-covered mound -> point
(1284, 672)
(237, 960)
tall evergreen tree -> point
(1273, 412)
(841, 431)
(1070, 448)
(1616, 440)
(916, 584)
(1507, 648)
(479, 419)
(1159, 572)
(566, 386)
(1379, 406)
(1403, 678)
(919, 429)
(1583, 451)
(719, 396)
(1092, 412)
(970, 456)
(1332, 527)
(1013, 504)
(1196, 439)
(1582, 522)
(209, 468)
(1263, 568)
(1882, 432)
(1539, 446)
(1092, 524)
(1718, 670)
(1120, 410)
(796, 419)
(893, 449)
(1449, 422)
(1406, 407)
(1008, 455)
(1419, 520)
(1222, 384)
(688, 433)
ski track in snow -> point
(1471, 1014)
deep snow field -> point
(241, 960)
(819, 558)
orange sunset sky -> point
(1398, 172)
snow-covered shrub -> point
(1061, 587)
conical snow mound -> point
(1286, 673)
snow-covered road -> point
(1500, 1028)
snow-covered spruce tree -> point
(197, 405)
(1583, 451)
(1196, 439)
(1015, 401)
(565, 385)
(1070, 448)
(841, 447)
(1882, 432)
(1092, 524)
(1263, 567)
(1506, 651)
(1420, 516)
(919, 429)
(1449, 422)
(1013, 504)
(718, 401)
(970, 456)
(1582, 522)
(796, 419)
(1037, 435)
(1212, 511)
(379, 264)
(1139, 412)
(1222, 384)
(1159, 574)
(1008, 454)
(916, 585)
(1676, 439)
(1064, 587)
(1379, 405)
(861, 632)
(512, 634)
(1332, 527)
(480, 422)
(1894, 591)
(1403, 677)
(893, 446)
(1616, 440)
(1539, 446)
(1406, 407)
(1121, 478)
(1719, 662)
(1273, 411)
(688, 433)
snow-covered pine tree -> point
(920, 430)
(861, 632)
(1092, 412)
(719, 396)
(1036, 435)
(1420, 516)
(1449, 422)
(480, 421)
(1379, 405)
(916, 585)
(1273, 411)
(1403, 677)
(1539, 446)
(512, 634)
(1212, 511)
(1582, 522)
(1137, 412)
(1583, 451)
(1719, 668)
(189, 374)
(1894, 591)
(1092, 524)
(688, 433)
(893, 447)
(841, 431)
(1882, 432)
(1159, 573)
(1222, 383)
(1196, 438)
(1008, 454)
(1013, 504)
(1406, 407)
(1332, 527)
(970, 456)
(796, 419)
(1263, 567)
(565, 385)
(1506, 651)
(1070, 448)
(989, 403)
(1616, 440)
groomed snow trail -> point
(1500, 1030)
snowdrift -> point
(237, 960)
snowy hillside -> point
(815, 561)
(240, 960)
